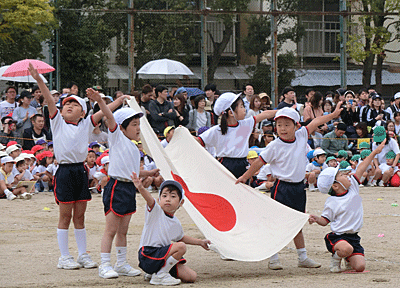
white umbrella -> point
(164, 67)
(28, 78)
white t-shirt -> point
(385, 167)
(10, 178)
(27, 176)
(70, 140)
(288, 159)
(201, 120)
(235, 143)
(310, 167)
(92, 171)
(345, 213)
(264, 172)
(99, 175)
(164, 143)
(7, 108)
(160, 229)
(124, 155)
(392, 146)
(52, 169)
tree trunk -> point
(367, 70)
(378, 72)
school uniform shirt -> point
(7, 178)
(345, 213)
(70, 140)
(159, 228)
(52, 169)
(392, 145)
(288, 159)
(92, 171)
(27, 176)
(100, 174)
(39, 169)
(385, 167)
(164, 143)
(264, 172)
(235, 143)
(358, 164)
(311, 166)
(124, 155)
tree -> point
(24, 25)
(369, 44)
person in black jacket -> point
(376, 112)
(36, 132)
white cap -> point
(77, 99)
(124, 113)
(26, 155)
(224, 102)
(105, 160)
(397, 95)
(288, 113)
(326, 178)
(11, 149)
(52, 92)
(7, 159)
(2, 146)
(318, 152)
(19, 158)
(2, 154)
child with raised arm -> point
(161, 260)
(119, 195)
(344, 211)
(71, 134)
(287, 156)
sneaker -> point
(164, 279)
(11, 196)
(308, 263)
(86, 262)
(67, 262)
(347, 265)
(25, 196)
(126, 270)
(361, 186)
(147, 277)
(334, 267)
(381, 184)
(275, 265)
(106, 271)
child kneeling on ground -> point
(344, 211)
(157, 256)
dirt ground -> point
(29, 250)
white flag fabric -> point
(241, 223)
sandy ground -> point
(29, 251)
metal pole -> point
(274, 57)
(131, 51)
(204, 68)
(58, 68)
(343, 43)
(51, 45)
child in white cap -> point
(119, 195)
(315, 167)
(231, 137)
(7, 180)
(287, 156)
(71, 134)
(344, 211)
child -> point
(251, 157)
(168, 133)
(354, 163)
(331, 161)
(231, 137)
(71, 134)
(341, 156)
(314, 168)
(92, 167)
(369, 172)
(101, 177)
(13, 151)
(119, 195)
(265, 180)
(6, 180)
(344, 211)
(385, 168)
(44, 160)
(51, 170)
(157, 256)
(287, 157)
(23, 172)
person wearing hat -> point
(168, 134)
(13, 151)
(71, 137)
(385, 168)
(335, 140)
(22, 114)
(289, 98)
(331, 162)
(287, 157)
(36, 132)
(56, 95)
(231, 137)
(314, 168)
(163, 242)
(7, 180)
(395, 107)
(8, 106)
(343, 210)
(119, 195)
(95, 146)
(375, 113)
(8, 133)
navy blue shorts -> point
(237, 166)
(71, 183)
(290, 194)
(119, 197)
(353, 239)
(152, 259)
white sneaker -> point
(86, 262)
(334, 267)
(308, 263)
(126, 270)
(106, 271)
(67, 262)
(381, 184)
(347, 265)
(164, 279)
(147, 277)
(275, 265)
(11, 196)
(26, 196)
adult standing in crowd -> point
(36, 132)
(375, 113)
(162, 112)
(8, 106)
(182, 114)
(147, 92)
(289, 98)
(35, 103)
(22, 114)
(314, 110)
(395, 107)
(199, 117)
(350, 114)
(247, 92)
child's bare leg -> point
(18, 191)
(177, 250)
(378, 173)
(120, 239)
(299, 240)
(65, 215)
(185, 273)
(157, 181)
(147, 182)
(343, 249)
(357, 262)
(112, 224)
(79, 214)
(386, 176)
(312, 179)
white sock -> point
(171, 261)
(80, 237)
(362, 179)
(105, 257)
(373, 181)
(121, 255)
(311, 186)
(62, 237)
(274, 258)
(335, 256)
(370, 178)
(302, 253)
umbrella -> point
(20, 68)
(18, 78)
(164, 67)
(193, 92)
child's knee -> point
(191, 277)
(180, 247)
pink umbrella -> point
(20, 68)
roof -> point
(313, 77)
(117, 72)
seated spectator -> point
(335, 140)
(331, 161)
(36, 132)
(314, 168)
(370, 176)
(267, 138)
(360, 136)
(168, 134)
(99, 136)
(7, 181)
(8, 132)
